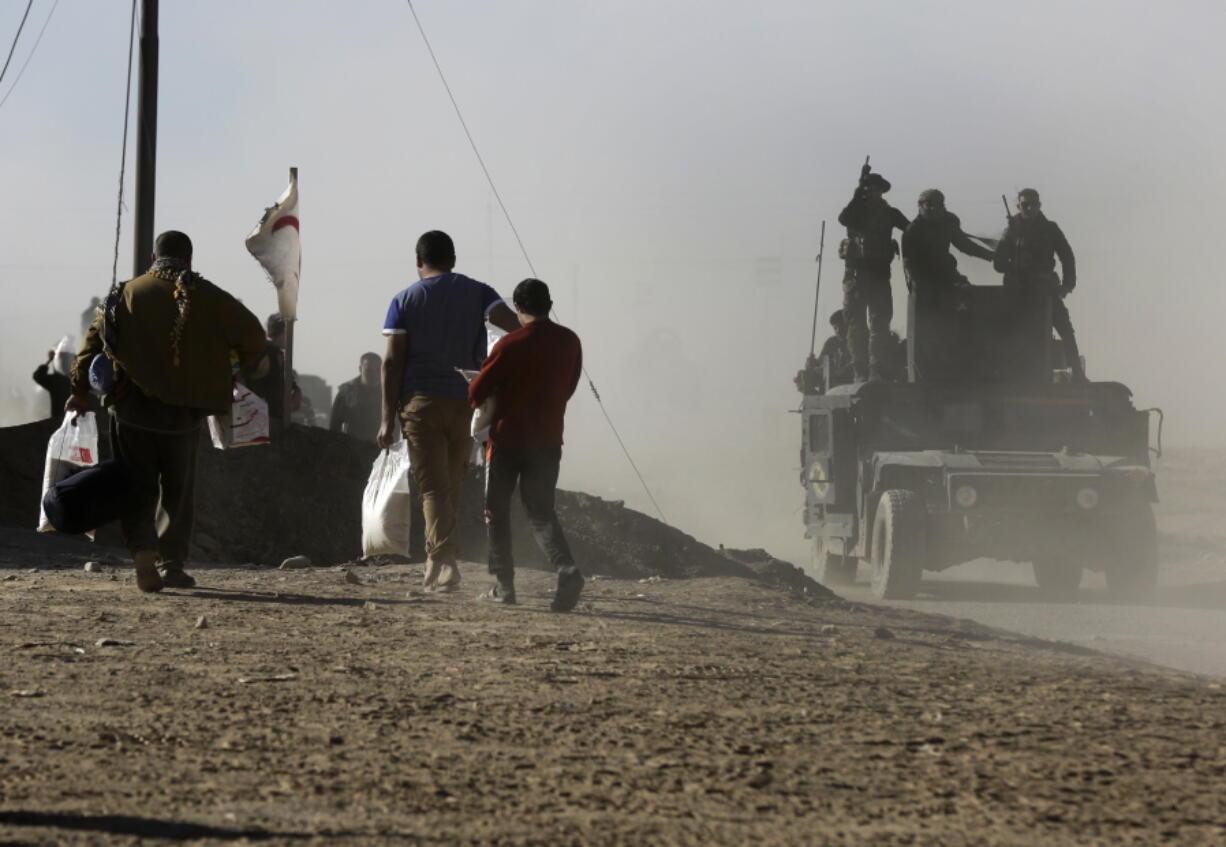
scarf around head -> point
(185, 280)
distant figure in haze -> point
(433, 327)
(836, 351)
(838, 360)
(172, 338)
(868, 304)
(942, 303)
(531, 374)
(356, 409)
(87, 317)
(1027, 257)
(267, 377)
(302, 410)
(55, 381)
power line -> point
(33, 49)
(16, 37)
(123, 154)
(489, 179)
(469, 135)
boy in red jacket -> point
(531, 373)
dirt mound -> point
(302, 495)
(778, 572)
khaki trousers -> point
(437, 431)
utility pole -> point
(146, 137)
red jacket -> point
(531, 373)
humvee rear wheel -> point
(1057, 576)
(1132, 574)
(899, 544)
(833, 568)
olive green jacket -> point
(216, 324)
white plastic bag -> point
(73, 447)
(483, 415)
(245, 425)
(385, 503)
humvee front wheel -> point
(1132, 574)
(833, 568)
(899, 544)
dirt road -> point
(1184, 626)
(315, 707)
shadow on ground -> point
(141, 827)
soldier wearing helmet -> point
(836, 355)
(941, 305)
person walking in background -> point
(91, 312)
(356, 409)
(55, 381)
(531, 374)
(433, 327)
(170, 336)
(266, 378)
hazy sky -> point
(668, 165)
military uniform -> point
(838, 358)
(868, 304)
(941, 307)
(1027, 257)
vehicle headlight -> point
(1087, 498)
(966, 496)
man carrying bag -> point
(169, 334)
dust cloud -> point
(667, 167)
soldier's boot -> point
(1073, 357)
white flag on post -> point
(276, 246)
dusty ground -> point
(310, 709)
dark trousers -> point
(868, 306)
(1062, 323)
(1039, 305)
(162, 467)
(536, 471)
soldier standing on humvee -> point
(868, 251)
(1027, 257)
(932, 274)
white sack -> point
(385, 503)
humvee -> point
(929, 473)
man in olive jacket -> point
(170, 334)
